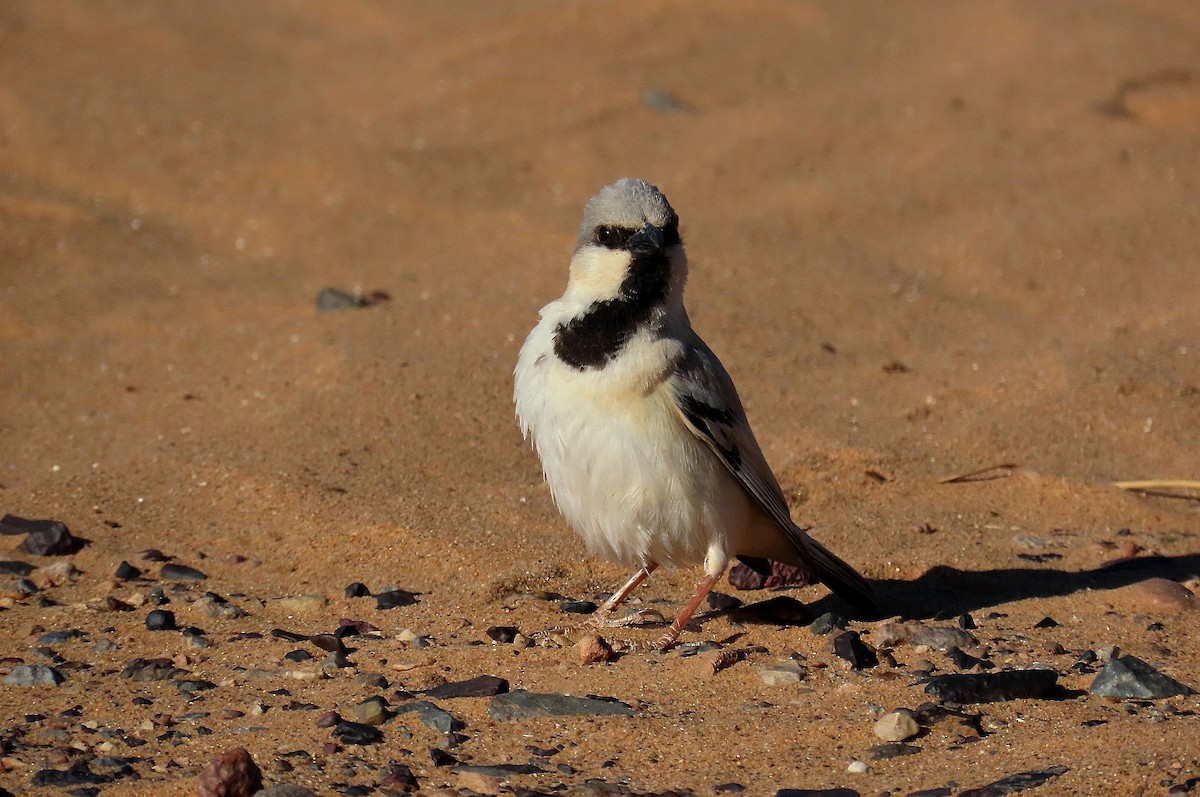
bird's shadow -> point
(949, 592)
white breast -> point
(624, 470)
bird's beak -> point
(647, 240)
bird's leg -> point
(602, 617)
(702, 589)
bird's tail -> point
(840, 577)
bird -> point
(640, 431)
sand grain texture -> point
(925, 240)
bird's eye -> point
(607, 237)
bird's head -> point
(629, 247)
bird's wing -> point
(708, 403)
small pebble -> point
(897, 726)
(503, 634)
(593, 649)
(372, 711)
(395, 598)
(44, 537)
(578, 607)
(34, 675)
(232, 774)
(782, 673)
(849, 646)
(828, 623)
(176, 572)
(160, 620)
(858, 767)
(127, 572)
(722, 602)
(357, 589)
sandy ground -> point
(925, 239)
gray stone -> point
(34, 675)
(1130, 677)
(431, 715)
(784, 672)
(286, 790)
(521, 705)
(896, 726)
(372, 711)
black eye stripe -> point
(612, 237)
(618, 237)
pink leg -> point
(627, 589)
(602, 617)
(702, 589)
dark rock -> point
(357, 733)
(1130, 677)
(965, 661)
(290, 636)
(881, 752)
(189, 687)
(750, 573)
(966, 622)
(79, 774)
(357, 589)
(286, 790)
(157, 597)
(15, 567)
(849, 646)
(43, 537)
(176, 572)
(479, 686)
(441, 758)
(59, 637)
(994, 687)
(330, 299)
(153, 555)
(151, 670)
(578, 607)
(160, 620)
(127, 572)
(504, 634)
(298, 656)
(329, 643)
(431, 715)
(828, 623)
(231, 774)
(666, 101)
(117, 605)
(328, 719)
(817, 793)
(398, 778)
(348, 627)
(780, 610)
(722, 602)
(1046, 622)
(1015, 783)
(395, 598)
(521, 704)
(34, 675)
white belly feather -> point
(624, 470)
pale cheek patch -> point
(597, 273)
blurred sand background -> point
(925, 239)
